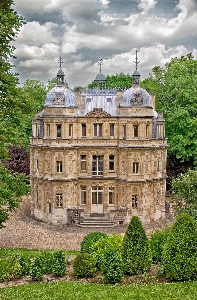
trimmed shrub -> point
(112, 266)
(59, 263)
(84, 265)
(136, 253)
(90, 239)
(157, 242)
(25, 263)
(35, 273)
(179, 255)
(5, 269)
(113, 241)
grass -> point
(7, 252)
(87, 291)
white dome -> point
(60, 96)
(136, 96)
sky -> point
(87, 30)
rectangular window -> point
(97, 165)
(59, 166)
(59, 130)
(98, 130)
(97, 195)
(59, 201)
(83, 130)
(160, 131)
(37, 197)
(124, 132)
(111, 195)
(83, 162)
(111, 162)
(37, 129)
(147, 131)
(135, 167)
(135, 131)
(111, 128)
(83, 195)
(70, 130)
(37, 165)
(134, 201)
(48, 130)
(158, 166)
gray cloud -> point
(87, 30)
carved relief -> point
(59, 99)
(97, 113)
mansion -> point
(98, 153)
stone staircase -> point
(96, 221)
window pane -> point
(83, 129)
(94, 197)
(135, 128)
(59, 130)
(83, 195)
(111, 129)
(100, 197)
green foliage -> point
(35, 273)
(10, 269)
(157, 242)
(118, 81)
(179, 255)
(84, 265)
(12, 187)
(184, 194)
(25, 263)
(112, 266)
(136, 253)
(90, 239)
(59, 263)
(175, 90)
(113, 241)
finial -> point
(136, 61)
(100, 62)
(60, 60)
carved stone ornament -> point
(136, 100)
(58, 100)
(98, 113)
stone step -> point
(96, 223)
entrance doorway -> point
(97, 199)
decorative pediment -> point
(98, 113)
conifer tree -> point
(136, 253)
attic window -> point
(109, 100)
(97, 109)
(88, 100)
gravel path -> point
(22, 231)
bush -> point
(25, 263)
(157, 242)
(112, 266)
(84, 265)
(36, 269)
(109, 242)
(136, 254)
(5, 269)
(59, 263)
(91, 238)
(179, 255)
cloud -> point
(146, 5)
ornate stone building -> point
(98, 153)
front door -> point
(97, 200)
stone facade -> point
(98, 152)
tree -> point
(19, 160)
(118, 81)
(179, 255)
(12, 187)
(136, 253)
(184, 194)
(9, 111)
(175, 90)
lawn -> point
(89, 291)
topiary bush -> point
(59, 263)
(136, 253)
(112, 266)
(90, 239)
(157, 242)
(36, 270)
(98, 248)
(179, 256)
(25, 263)
(84, 265)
